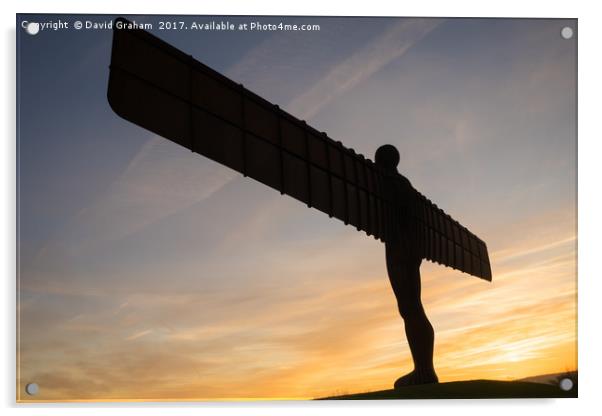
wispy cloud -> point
(160, 180)
(346, 75)
(139, 334)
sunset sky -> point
(149, 272)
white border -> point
(589, 196)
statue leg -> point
(404, 274)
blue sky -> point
(130, 244)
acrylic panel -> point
(190, 191)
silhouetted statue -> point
(403, 266)
(171, 94)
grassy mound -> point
(473, 389)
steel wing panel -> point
(159, 88)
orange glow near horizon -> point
(344, 336)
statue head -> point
(387, 157)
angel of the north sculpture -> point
(168, 92)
